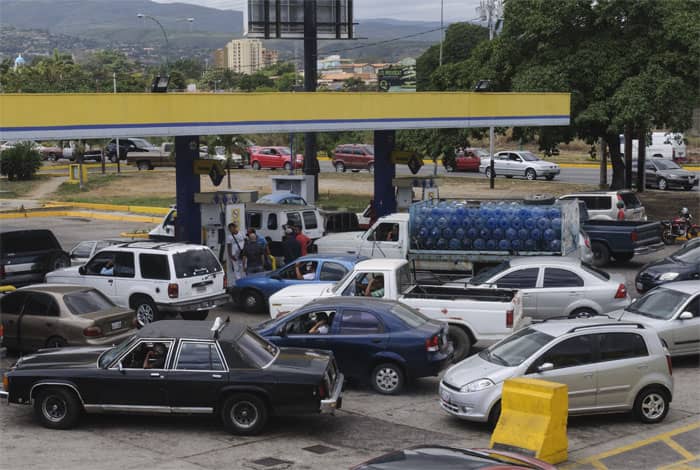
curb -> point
(86, 165)
(89, 215)
(111, 207)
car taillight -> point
(92, 331)
(322, 391)
(432, 344)
(173, 290)
(509, 318)
(669, 364)
(634, 236)
(587, 242)
(621, 292)
(5, 382)
(225, 281)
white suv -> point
(153, 278)
(608, 366)
(602, 205)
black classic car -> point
(178, 367)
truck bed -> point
(625, 238)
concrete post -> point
(384, 173)
(188, 224)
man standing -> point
(234, 244)
(253, 255)
(290, 246)
(303, 240)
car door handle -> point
(110, 281)
(155, 374)
(376, 340)
(216, 376)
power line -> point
(361, 46)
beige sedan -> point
(57, 315)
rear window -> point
(26, 241)
(310, 219)
(294, 219)
(195, 263)
(412, 318)
(258, 350)
(87, 301)
(600, 274)
(631, 200)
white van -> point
(668, 145)
(270, 220)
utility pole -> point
(114, 82)
(442, 30)
(310, 72)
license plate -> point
(116, 325)
(639, 286)
(445, 395)
(201, 289)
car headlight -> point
(668, 276)
(477, 385)
(673, 175)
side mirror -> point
(685, 316)
(281, 331)
(121, 368)
(81, 270)
(545, 367)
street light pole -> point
(165, 35)
(114, 81)
(442, 31)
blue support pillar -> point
(384, 173)
(188, 225)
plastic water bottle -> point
(555, 245)
(554, 212)
(455, 244)
(467, 244)
(511, 234)
(484, 233)
(435, 232)
(530, 244)
(497, 233)
(442, 221)
(455, 222)
(429, 222)
(429, 243)
(529, 223)
(423, 232)
(479, 244)
(472, 233)
(504, 222)
(548, 234)
(467, 222)
(543, 223)
(492, 223)
(447, 232)
(535, 234)
(523, 234)
(441, 244)
(516, 244)
(460, 233)
(504, 245)
(491, 244)
(556, 223)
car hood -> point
(680, 172)
(665, 265)
(337, 242)
(64, 272)
(475, 368)
(62, 358)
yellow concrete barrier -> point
(533, 419)
(6, 289)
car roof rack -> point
(219, 325)
(598, 325)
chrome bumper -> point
(335, 402)
(642, 250)
(207, 303)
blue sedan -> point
(252, 292)
(384, 341)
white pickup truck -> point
(476, 316)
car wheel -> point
(146, 310)
(460, 341)
(340, 167)
(688, 188)
(530, 174)
(651, 405)
(387, 378)
(55, 342)
(509, 176)
(623, 257)
(601, 254)
(494, 414)
(244, 414)
(287, 166)
(449, 168)
(549, 177)
(662, 184)
(143, 165)
(198, 315)
(252, 301)
(370, 167)
(57, 408)
(583, 313)
(255, 165)
(488, 173)
(59, 261)
(52, 157)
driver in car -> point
(155, 357)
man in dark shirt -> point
(253, 255)
(290, 246)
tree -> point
(354, 84)
(20, 162)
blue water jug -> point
(491, 244)
(455, 244)
(504, 245)
(497, 233)
(479, 244)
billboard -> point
(284, 19)
(397, 78)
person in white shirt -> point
(234, 245)
(306, 271)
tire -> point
(449, 168)
(287, 166)
(460, 341)
(488, 173)
(688, 188)
(387, 378)
(57, 407)
(601, 254)
(143, 165)
(530, 174)
(52, 157)
(494, 414)
(255, 165)
(662, 184)
(59, 261)
(549, 177)
(583, 313)
(145, 308)
(340, 167)
(509, 176)
(244, 414)
(252, 301)
(55, 342)
(197, 315)
(651, 405)
(667, 237)
(370, 168)
(623, 257)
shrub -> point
(20, 162)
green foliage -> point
(255, 81)
(355, 84)
(20, 162)
(433, 143)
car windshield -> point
(413, 318)
(195, 263)
(111, 354)
(485, 275)
(666, 165)
(259, 351)
(529, 157)
(659, 303)
(341, 282)
(516, 348)
(688, 254)
(87, 301)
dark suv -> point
(27, 255)
(354, 157)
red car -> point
(467, 160)
(273, 157)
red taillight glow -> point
(225, 281)
(509, 318)
(2, 330)
(634, 236)
(322, 391)
(92, 331)
(670, 365)
(432, 344)
(621, 292)
(173, 290)
(587, 241)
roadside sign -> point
(213, 168)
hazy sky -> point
(424, 10)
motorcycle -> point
(681, 228)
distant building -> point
(244, 56)
(269, 57)
(19, 62)
(220, 61)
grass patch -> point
(150, 201)
(94, 182)
(17, 189)
(350, 202)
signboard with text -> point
(397, 79)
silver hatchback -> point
(608, 366)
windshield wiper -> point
(499, 359)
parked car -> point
(673, 311)
(126, 145)
(602, 205)
(282, 197)
(47, 152)
(58, 315)
(353, 157)
(468, 159)
(178, 367)
(274, 157)
(451, 458)
(253, 291)
(155, 279)
(557, 286)
(682, 265)
(607, 365)
(519, 163)
(384, 341)
(666, 174)
(27, 255)
(622, 239)
(83, 251)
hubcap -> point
(54, 408)
(530, 175)
(387, 379)
(244, 414)
(653, 406)
(144, 314)
(662, 184)
(251, 301)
